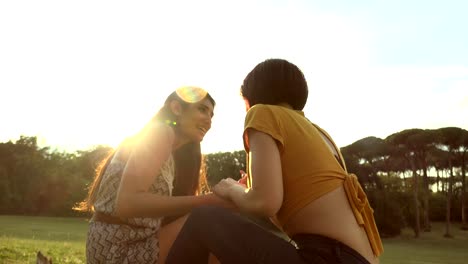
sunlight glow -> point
(191, 94)
(86, 73)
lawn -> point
(430, 248)
(64, 240)
(21, 237)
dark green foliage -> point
(223, 165)
(438, 203)
(40, 181)
(37, 181)
(388, 211)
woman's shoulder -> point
(159, 128)
(259, 113)
(155, 133)
(161, 133)
(269, 112)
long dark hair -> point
(88, 203)
(188, 158)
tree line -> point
(411, 177)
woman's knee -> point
(219, 220)
(208, 214)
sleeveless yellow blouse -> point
(309, 168)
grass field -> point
(429, 248)
(21, 237)
(63, 239)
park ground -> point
(63, 239)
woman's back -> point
(316, 184)
(331, 216)
(309, 170)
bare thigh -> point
(167, 236)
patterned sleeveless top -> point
(107, 194)
(133, 243)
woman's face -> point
(195, 120)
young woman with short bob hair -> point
(298, 179)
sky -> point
(77, 74)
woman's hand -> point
(225, 186)
(213, 199)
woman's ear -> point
(176, 108)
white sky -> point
(82, 73)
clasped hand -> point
(225, 186)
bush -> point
(387, 211)
(438, 204)
(438, 207)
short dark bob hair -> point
(275, 81)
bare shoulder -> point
(160, 132)
(155, 137)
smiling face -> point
(194, 120)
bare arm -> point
(144, 164)
(265, 197)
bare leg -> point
(167, 235)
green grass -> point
(63, 239)
(21, 237)
(430, 248)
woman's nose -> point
(207, 122)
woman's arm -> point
(265, 197)
(144, 164)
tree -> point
(29, 174)
(423, 142)
(451, 139)
(223, 165)
(463, 158)
(369, 152)
(438, 159)
(7, 163)
(406, 148)
(369, 158)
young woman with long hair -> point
(149, 181)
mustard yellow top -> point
(309, 168)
